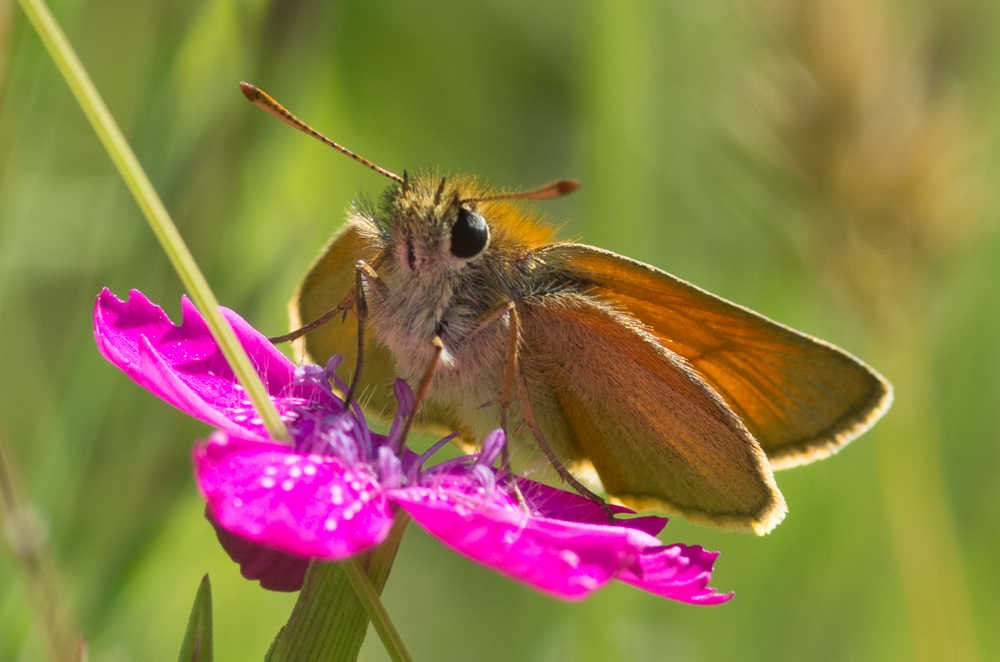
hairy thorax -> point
(414, 309)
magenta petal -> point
(184, 366)
(678, 572)
(306, 505)
(566, 560)
(157, 376)
(276, 571)
(559, 504)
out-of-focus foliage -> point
(832, 169)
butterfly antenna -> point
(264, 101)
(555, 189)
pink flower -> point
(332, 493)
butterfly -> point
(678, 400)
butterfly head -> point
(435, 225)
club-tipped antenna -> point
(555, 189)
(264, 101)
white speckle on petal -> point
(336, 495)
(270, 471)
(267, 482)
(315, 458)
(309, 469)
(295, 472)
(291, 459)
(355, 485)
(287, 484)
(237, 502)
(256, 421)
(330, 524)
(570, 558)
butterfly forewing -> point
(800, 397)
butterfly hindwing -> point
(659, 437)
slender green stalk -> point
(152, 208)
(376, 610)
(331, 617)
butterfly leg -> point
(484, 321)
(505, 399)
(528, 416)
(342, 307)
(491, 316)
(364, 274)
(346, 304)
(425, 386)
(354, 300)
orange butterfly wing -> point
(660, 438)
(803, 399)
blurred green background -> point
(830, 163)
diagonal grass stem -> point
(194, 281)
(152, 208)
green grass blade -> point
(152, 208)
(197, 644)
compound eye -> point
(469, 235)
